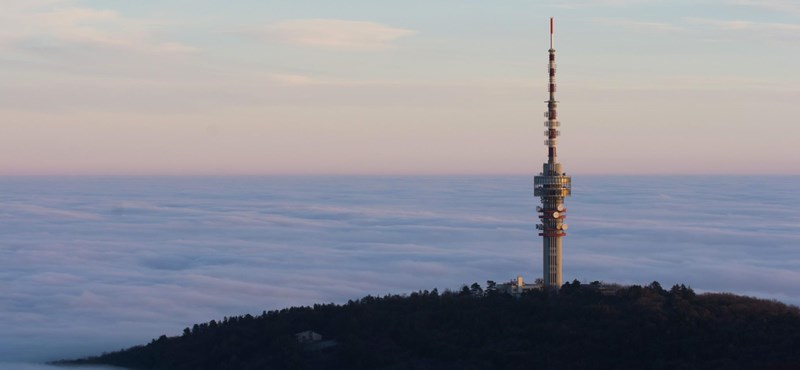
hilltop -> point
(581, 327)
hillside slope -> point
(578, 328)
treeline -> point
(580, 327)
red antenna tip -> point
(551, 25)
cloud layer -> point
(118, 261)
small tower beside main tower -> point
(552, 186)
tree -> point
(656, 287)
(491, 287)
(476, 290)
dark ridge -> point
(584, 326)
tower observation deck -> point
(552, 185)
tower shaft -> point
(552, 185)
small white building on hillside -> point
(308, 336)
(517, 287)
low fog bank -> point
(96, 264)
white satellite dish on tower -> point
(560, 208)
(564, 226)
(556, 214)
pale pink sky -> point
(110, 87)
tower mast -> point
(552, 185)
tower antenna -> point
(552, 185)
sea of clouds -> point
(97, 264)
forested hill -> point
(579, 328)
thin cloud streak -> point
(65, 24)
(335, 34)
(639, 25)
(702, 27)
(791, 6)
(744, 25)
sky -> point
(95, 264)
(251, 87)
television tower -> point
(552, 186)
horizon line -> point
(386, 174)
